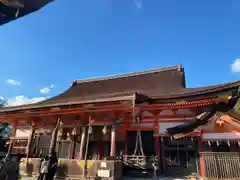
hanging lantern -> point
(104, 130)
(74, 131)
(228, 142)
(60, 131)
(90, 130)
(68, 136)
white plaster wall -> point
(220, 136)
(23, 132)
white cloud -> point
(13, 82)
(46, 90)
(138, 3)
(21, 100)
(236, 66)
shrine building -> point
(136, 123)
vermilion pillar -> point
(201, 158)
(202, 166)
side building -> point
(138, 122)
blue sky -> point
(77, 39)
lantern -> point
(90, 130)
(104, 130)
(74, 132)
(228, 142)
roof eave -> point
(198, 93)
(69, 103)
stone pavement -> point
(160, 178)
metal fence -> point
(221, 165)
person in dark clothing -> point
(52, 168)
(13, 168)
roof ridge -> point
(130, 74)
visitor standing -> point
(43, 168)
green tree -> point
(3, 126)
(2, 103)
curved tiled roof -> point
(159, 83)
(115, 87)
(164, 79)
(184, 92)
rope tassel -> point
(138, 144)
